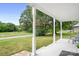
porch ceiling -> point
(62, 11)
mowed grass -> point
(67, 35)
(9, 34)
(12, 46)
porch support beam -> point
(54, 36)
(34, 32)
(61, 29)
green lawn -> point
(11, 46)
(67, 35)
(9, 34)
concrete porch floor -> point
(55, 49)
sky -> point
(11, 12)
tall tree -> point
(42, 21)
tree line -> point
(7, 27)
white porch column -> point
(34, 32)
(54, 39)
(60, 29)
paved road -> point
(16, 37)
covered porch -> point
(58, 48)
(61, 12)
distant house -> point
(76, 27)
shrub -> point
(77, 45)
(7, 27)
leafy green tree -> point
(42, 21)
(26, 20)
(69, 25)
(7, 27)
(2, 27)
(11, 27)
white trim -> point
(34, 31)
(61, 29)
(54, 39)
